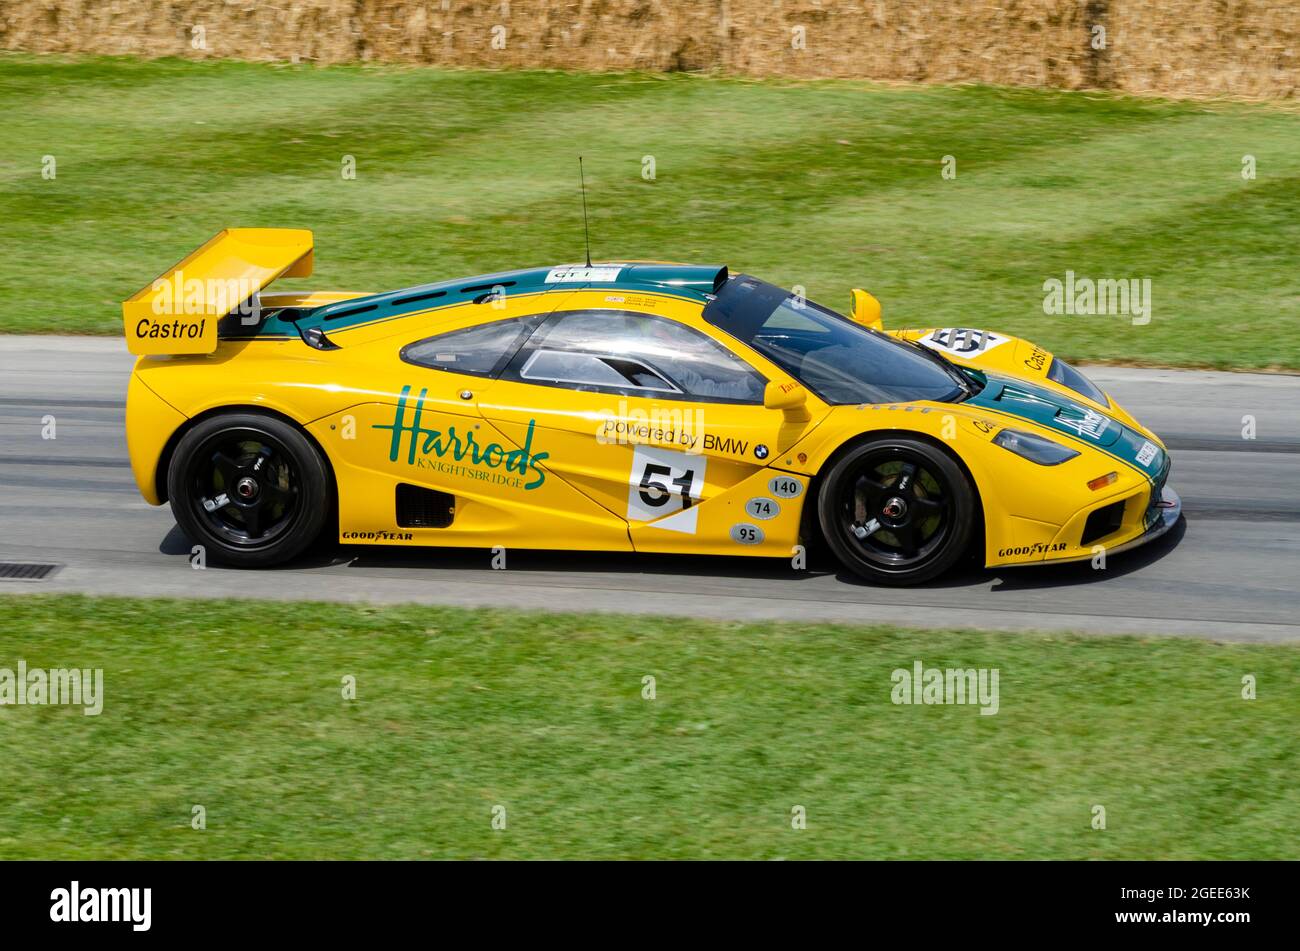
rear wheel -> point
(251, 489)
(897, 511)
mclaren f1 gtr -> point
(618, 406)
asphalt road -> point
(1230, 571)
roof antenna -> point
(585, 233)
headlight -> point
(1034, 448)
(1061, 372)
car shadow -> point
(176, 542)
(1028, 577)
(820, 564)
(531, 560)
(328, 555)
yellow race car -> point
(620, 406)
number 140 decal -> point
(665, 488)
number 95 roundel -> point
(665, 487)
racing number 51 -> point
(657, 482)
(666, 488)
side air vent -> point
(352, 311)
(418, 507)
(475, 288)
(315, 337)
(1105, 521)
(431, 295)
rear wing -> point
(178, 311)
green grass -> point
(827, 185)
(237, 707)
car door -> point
(658, 422)
(420, 425)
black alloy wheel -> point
(251, 488)
(897, 511)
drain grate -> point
(26, 570)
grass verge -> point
(238, 707)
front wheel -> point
(897, 511)
(251, 489)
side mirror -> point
(784, 395)
(865, 309)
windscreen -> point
(840, 361)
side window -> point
(590, 369)
(636, 354)
(481, 350)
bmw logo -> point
(761, 451)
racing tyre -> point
(897, 511)
(250, 488)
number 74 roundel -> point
(665, 487)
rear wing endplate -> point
(178, 312)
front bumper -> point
(1169, 509)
